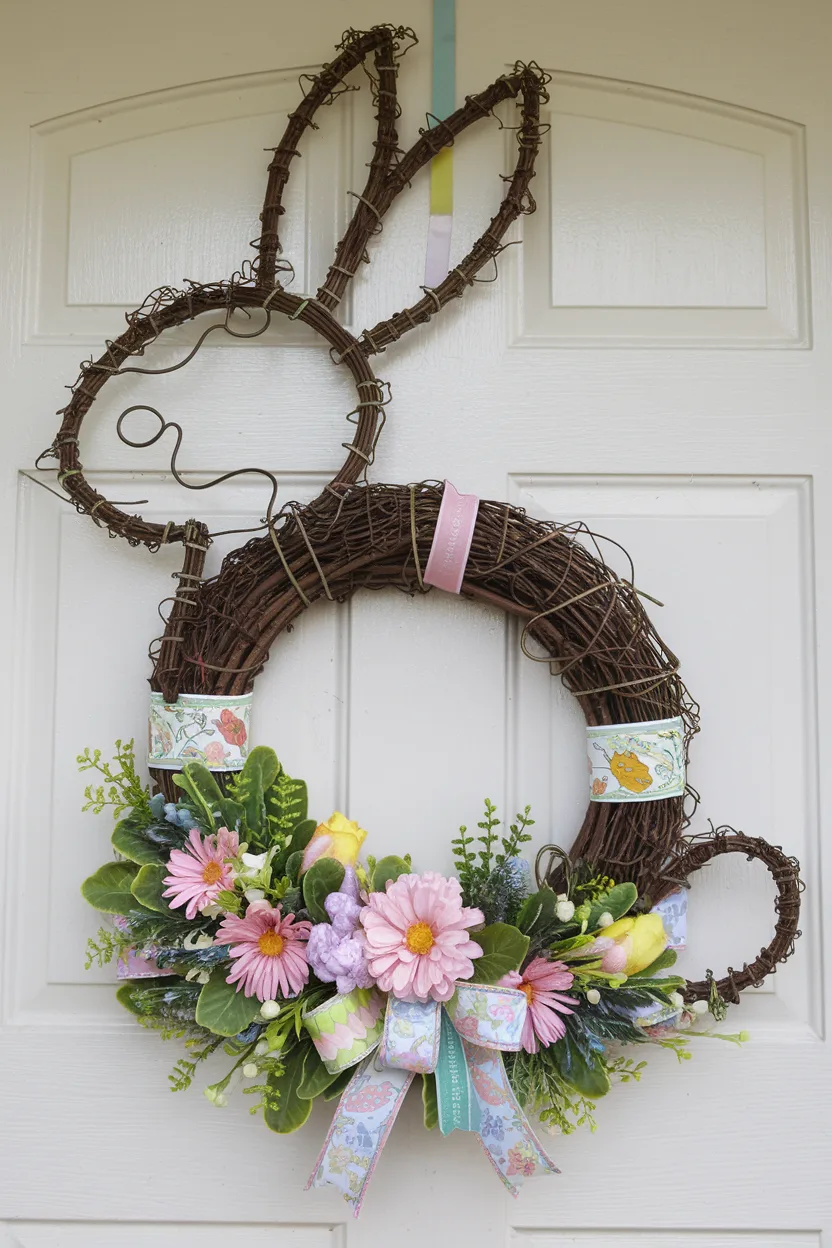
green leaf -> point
(316, 1077)
(571, 943)
(340, 1085)
(124, 996)
(108, 890)
(324, 877)
(148, 886)
(503, 949)
(129, 840)
(302, 833)
(291, 867)
(430, 1105)
(222, 1009)
(259, 773)
(665, 959)
(202, 789)
(585, 1071)
(298, 839)
(292, 1109)
(389, 868)
(232, 814)
(616, 902)
(537, 911)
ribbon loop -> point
(489, 1016)
(411, 1035)
(346, 1029)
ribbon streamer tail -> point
(505, 1133)
(363, 1120)
(456, 1102)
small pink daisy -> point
(271, 951)
(539, 981)
(199, 873)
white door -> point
(655, 359)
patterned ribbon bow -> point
(461, 1043)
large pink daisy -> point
(199, 873)
(271, 951)
(539, 981)
(417, 938)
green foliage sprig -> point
(518, 835)
(484, 875)
(182, 1075)
(122, 789)
(105, 946)
(540, 1086)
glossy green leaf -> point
(108, 890)
(128, 839)
(148, 886)
(340, 1085)
(584, 1071)
(231, 815)
(298, 839)
(292, 1109)
(389, 868)
(302, 834)
(324, 877)
(537, 911)
(292, 865)
(316, 1077)
(259, 773)
(504, 947)
(124, 996)
(202, 792)
(430, 1106)
(665, 960)
(222, 1009)
(617, 902)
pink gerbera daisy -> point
(199, 873)
(271, 951)
(539, 981)
(417, 938)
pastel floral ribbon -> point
(642, 762)
(461, 1043)
(199, 728)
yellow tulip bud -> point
(339, 838)
(642, 937)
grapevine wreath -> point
(240, 924)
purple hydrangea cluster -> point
(336, 950)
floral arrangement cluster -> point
(234, 915)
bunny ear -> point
(388, 44)
(527, 81)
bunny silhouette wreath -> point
(241, 924)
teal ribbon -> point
(455, 1100)
(444, 58)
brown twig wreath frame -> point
(589, 620)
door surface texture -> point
(655, 359)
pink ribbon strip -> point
(451, 545)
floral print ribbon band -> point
(636, 762)
(460, 1044)
(213, 731)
